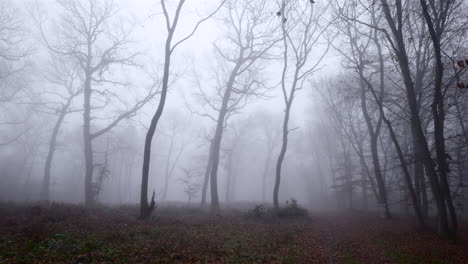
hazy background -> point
(251, 140)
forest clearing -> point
(179, 234)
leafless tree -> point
(250, 37)
(174, 150)
(394, 14)
(192, 187)
(14, 53)
(253, 38)
(303, 27)
(359, 59)
(87, 38)
(171, 26)
(65, 77)
(271, 135)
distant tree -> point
(177, 145)
(270, 134)
(64, 76)
(87, 38)
(206, 175)
(191, 185)
(252, 39)
(358, 58)
(249, 40)
(14, 52)
(13, 49)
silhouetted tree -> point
(171, 26)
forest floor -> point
(72, 234)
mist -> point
(255, 111)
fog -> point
(339, 105)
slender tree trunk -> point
(416, 124)
(401, 157)
(461, 185)
(424, 200)
(215, 163)
(206, 177)
(364, 188)
(282, 153)
(219, 134)
(403, 164)
(167, 169)
(266, 169)
(374, 133)
(121, 169)
(88, 144)
(229, 176)
(349, 183)
(145, 209)
(420, 183)
(438, 112)
(45, 192)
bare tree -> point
(250, 37)
(14, 52)
(206, 175)
(271, 136)
(174, 151)
(171, 26)
(394, 15)
(253, 38)
(437, 18)
(86, 38)
(13, 49)
(192, 187)
(65, 77)
(359, 58)
(303, 26)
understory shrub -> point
(292, 210)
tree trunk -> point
(374, 133)
(401, 157)
(215, 163)
(145, 209)
(403, 163)
(45, 192)
(364, 188)
(282, 153)
(266, 170)
(416, 124)
(219, 134)
(438, 113)
(88, 144)
(206, 178)
(229, 176)
(167, 169)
